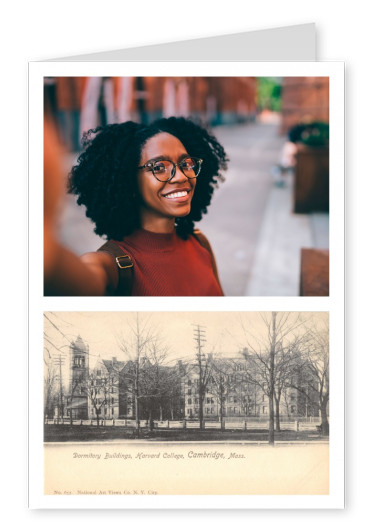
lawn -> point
(61, 433)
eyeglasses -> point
(165, 170)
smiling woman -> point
(144, 187)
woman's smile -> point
(181, 194)
(163, 201)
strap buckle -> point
(124, 266)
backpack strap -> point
(125, 268)
(125, 264)
(204, 242)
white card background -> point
(333, 304)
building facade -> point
(77, 399)
(232, 388)
(227, 387)
(304, 100)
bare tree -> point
(50, 384)
(172, 400)
(146, 372)
(154, 379)
(268, 356)
(220, 384)
(314, 368)
(286, 360)
(133, 342)
(102, 388)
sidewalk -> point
(276, 266)
(255, 235)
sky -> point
(225, 333)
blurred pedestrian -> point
(68, 101)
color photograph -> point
(186, 186)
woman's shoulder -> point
(202, 239)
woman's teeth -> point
(176, 194)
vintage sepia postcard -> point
(186, 403)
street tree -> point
(155, 379)
(51, 379)
(220, 384)
(146, 352)
(270, 342)
(314, 365)
(102, 389)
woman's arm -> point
(68, 274)
(64, 272)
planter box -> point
(314, 273)
(311, 185)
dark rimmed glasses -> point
(165, 170)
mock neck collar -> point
(153, 241)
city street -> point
(235, 217)
(254, 234)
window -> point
(99, 372)
(189, 401)
(189, 382)
(189, 391)
(78, 361)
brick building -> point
(304, 100)
(230, 388)
(231, 391)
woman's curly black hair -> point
(105, 176)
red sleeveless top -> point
(166, 265)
